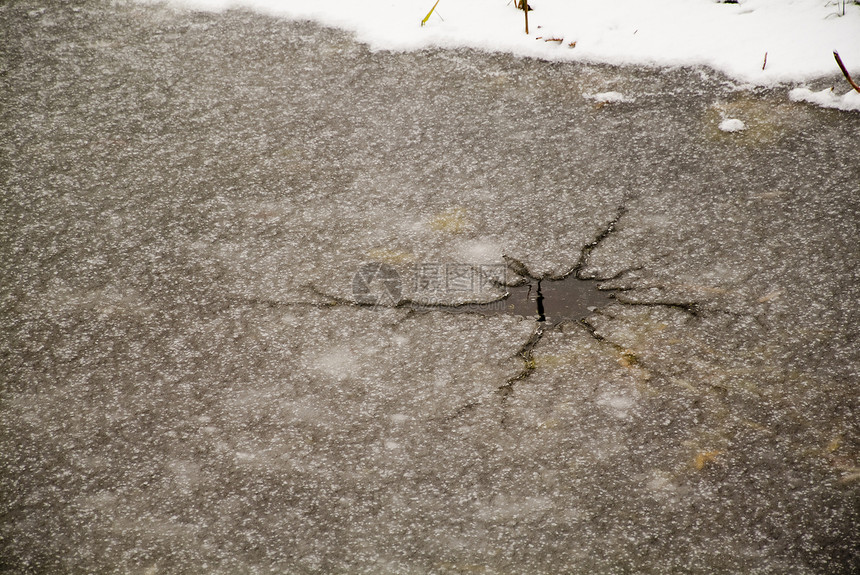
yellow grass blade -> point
(427, 17)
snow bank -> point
(827, 98)
(754, 42)
(798, 36)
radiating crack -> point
(519, 268)
(525, 354)
(691, 308)
(592, 331)
(590, 247)
(461, 411)
(624, 352)
(619, 275)
(273, 304)
(410, 304)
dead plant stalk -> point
(845, 71)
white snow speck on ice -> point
(618, 405)
(798, 36)
(732, 125)
(608, 97)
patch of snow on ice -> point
(608, 97)
(338, 363)
(479, 251)
(850, 101)
(618, 404)
(660, 483)
(732, 125)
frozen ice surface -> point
(257, 436)
(186, 386)
(596, 421)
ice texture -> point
(188, 384)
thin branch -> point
(845, 71)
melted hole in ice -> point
(569, 298)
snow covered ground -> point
(758, 42)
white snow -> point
(794, 38)
(732, 125)
(608, 97)
(827, 98)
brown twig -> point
(765, 61)
(526, 12)
(845, 71)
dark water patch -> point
(569, 298)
